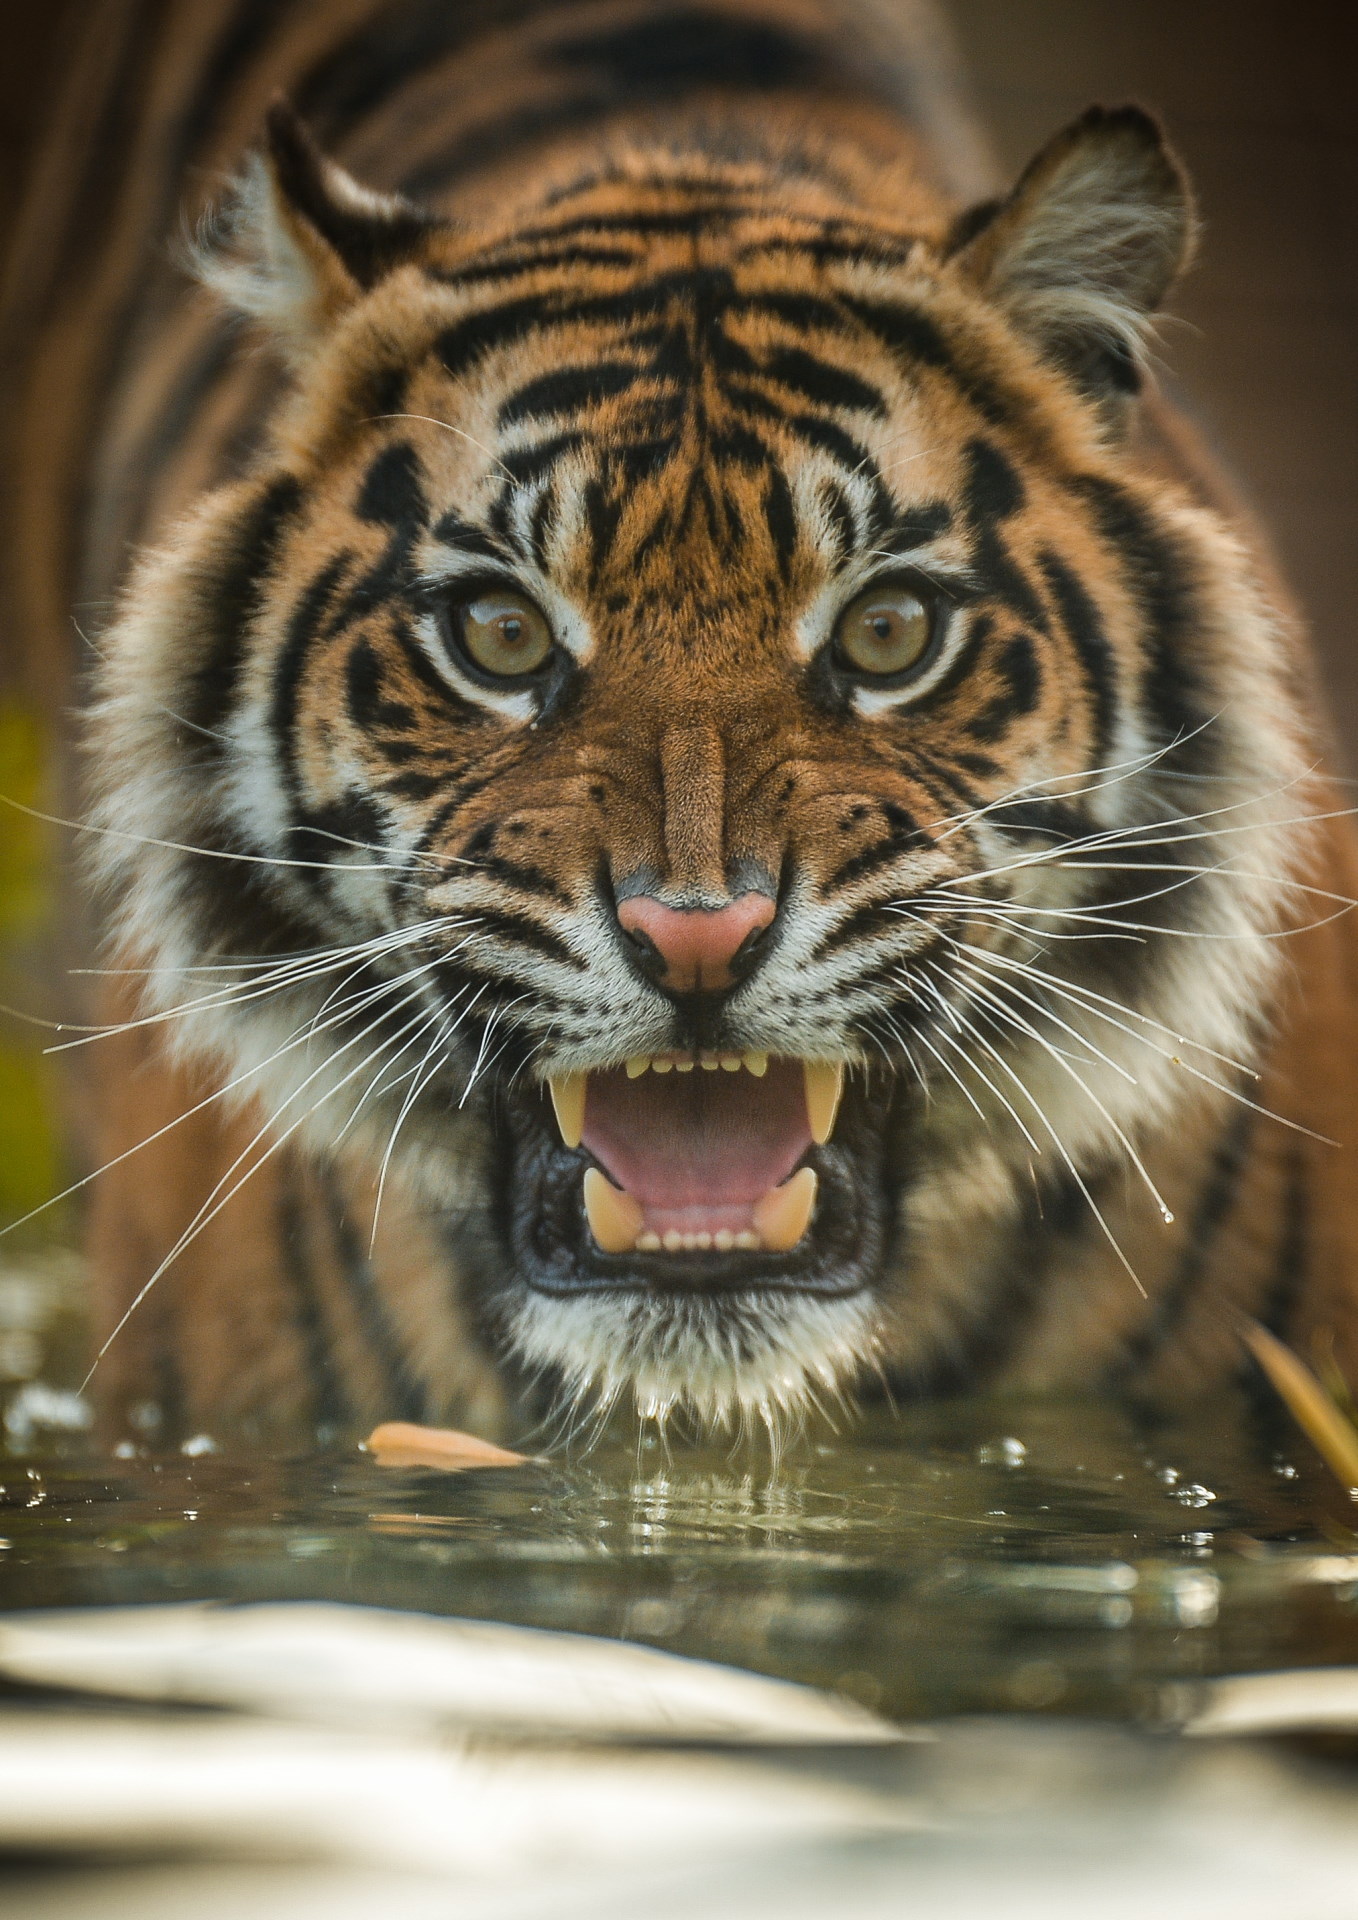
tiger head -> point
(678, 748)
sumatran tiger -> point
(698, 800)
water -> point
(965, 1557)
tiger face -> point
(672, 745)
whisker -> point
(208, 1212)
(430, 421)
(203, 853)
(1007, 1013)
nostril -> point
(697, 948)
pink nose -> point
(697, 944)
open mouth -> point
(689, 1173)
(699, 1152)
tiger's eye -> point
(884, 631)
(504, 634)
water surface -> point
(967, 1556)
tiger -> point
(701, 802)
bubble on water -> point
(200, 1444)
(1194, 1495)
(1196, 1598)
(1002, 1453)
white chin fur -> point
(726, 1361)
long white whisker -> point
(208, 1212)
(1006, 1012)
(950, 1040)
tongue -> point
(697, 1150)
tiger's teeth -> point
(824, 1085)
(638, 1065)
(568, 1098)
(614, 1218)
(756, 1062)
(783, 1215)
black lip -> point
(549, 1247)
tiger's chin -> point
(702, 1235)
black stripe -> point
(913, 336)
(870, 922)
(685, 47)
(1158, 574)
(994, 493)
(230, 597)
(510, 321)
(781, 518)
(1018, 667)
(512, 266)
(1214, 1205)
(903, 836)
(391, 495)
(1083, 625)
(406, 1393)
(1294, 1237)
(304, 625)
(330, 1408)
(568, 389)
(823, 384)
(517, 930)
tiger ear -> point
(1084, 249)
(301, 239)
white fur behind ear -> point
(1083, 251)
(1090, 257)
(252, 254)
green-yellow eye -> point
(504, 634)
(884, 632)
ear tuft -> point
(299, 239)
(1084, 249)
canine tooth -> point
(648, 1242)
(723, 1239)
(756, 1062)
(568, 1098)
(730, 1063)
(614, 1218)
(824, 1085)
(784, 1214)
(661, 1065)
(638, 1065)
(747, 1241)
(673, 1240)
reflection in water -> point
(963, 1556)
